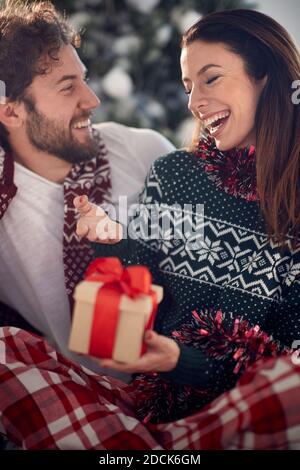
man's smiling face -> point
(59, 105)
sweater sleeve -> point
(196, 369)
(282, 333)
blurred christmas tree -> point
(131, 49)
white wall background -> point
(286, 12)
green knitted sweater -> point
(234, 269)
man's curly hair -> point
(31, 34)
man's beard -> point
(49, 135)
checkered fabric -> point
(49, 402)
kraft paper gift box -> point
(110, 324)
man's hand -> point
(162, 356)
(94, 224)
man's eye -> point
(68, 88)
(86, 79)
(187, 92)
(211, 80)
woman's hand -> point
(162, 356)
(94, 224)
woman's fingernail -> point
(148, 335)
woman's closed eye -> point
(208, 82)
(211, 80)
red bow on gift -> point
(117, 280)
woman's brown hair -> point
(31, 34)
(267, 50)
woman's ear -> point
(263, 81)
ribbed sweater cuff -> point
(191, 369)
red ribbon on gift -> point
(117, 281)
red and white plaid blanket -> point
(48, 402)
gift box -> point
(114, 306)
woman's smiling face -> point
(221, 93)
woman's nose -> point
(197, 101)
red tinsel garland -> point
(244, 343)
(233, 171)
(159, 400)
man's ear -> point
(12, 113)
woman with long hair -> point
(231, 277)
(268, 56)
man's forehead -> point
(69, 65)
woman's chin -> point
(227, 144)
(222, 145)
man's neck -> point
(46, 165)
